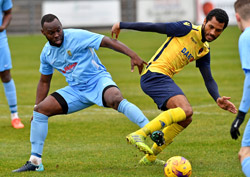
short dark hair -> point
(48, 18)
(220, 15)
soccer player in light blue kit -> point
(242, 9)
(72, 53)
(5, 63)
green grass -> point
(92, 142)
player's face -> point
(53, 32)
(212, 29)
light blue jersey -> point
(75, 58)
(244, 48)
(4, 6)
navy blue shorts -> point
(160, 88)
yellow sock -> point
(170, 132)
(166, 118)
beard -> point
(54, 43)
(204, 34)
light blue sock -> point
(38, 132)
(246, 166)
(133, 113)
(10, 93)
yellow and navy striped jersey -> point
(180, 48)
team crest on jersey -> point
(187, 23)
(201, 50)
(162, 124)
(69, 52)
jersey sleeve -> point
(7, 4)
(245, 100)
(244, 48)
(210, 83)
(87, 39)
(204, 66)
(45, 67)
(177, 29)
(203, 61)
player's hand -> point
(235, 133)
(137, 61)
(31, 119)
(115, 30)
(224, 103)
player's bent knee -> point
(36, 108)
(188, 111)
(39, 109)
(113, 99)
(114, 103)
(6, 79)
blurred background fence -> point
(103, 13)
(27, 13)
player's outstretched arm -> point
(122, 48)
(224, 103)
(170, 29)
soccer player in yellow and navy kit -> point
(185, 43)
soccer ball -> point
(177, 166)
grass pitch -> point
(92, 142)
